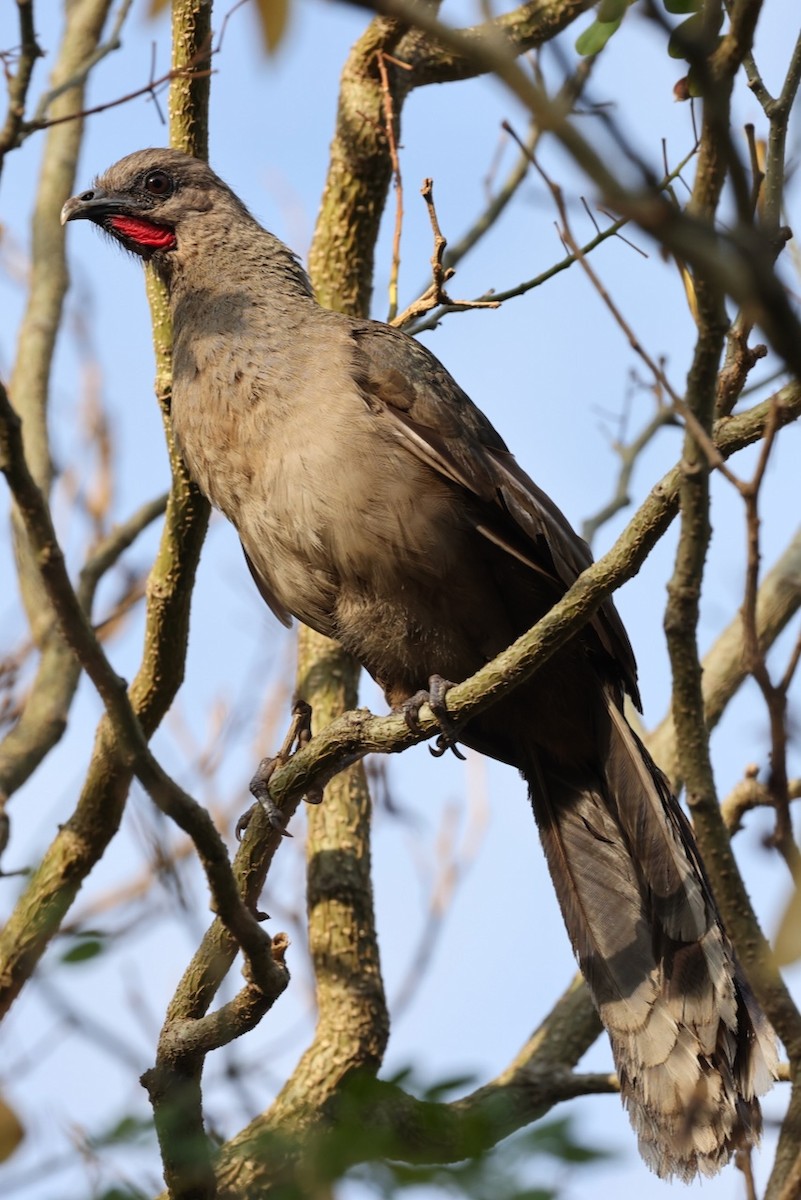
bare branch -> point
(723, 667)
(436, 296)
(19, 82)
(350, 738)
(613, 230)
(391, 125)
(628, 454)
(81, 72)
(748, 794)
(775, 696)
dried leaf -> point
(788, 939)
(12, 1131)
(689, 288)
(273, 16)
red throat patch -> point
(145, 233)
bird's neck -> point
(238, 257)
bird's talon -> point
(243, 822)
(445, 742)
(259, 788)
(435, 699)
(271, 810)
(410, 710)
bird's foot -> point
(438, 689)
(298, 735)
(259, 788)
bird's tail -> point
(691, 1046)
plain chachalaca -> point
(376, 503)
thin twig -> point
(454, 859)
(29, 127)
(775, 696)
(691, 422)
(568, 94)
(19, 82)
(78, 79)
(436, 296)
(628, 454)
(529, 285)
(75, 627)
(390, 125)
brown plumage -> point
(377, 504)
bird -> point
(376, 503)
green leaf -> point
(536, 1193)
(680, 7)
(593, 39)
(691, 32)
(403, 1076)
(84, 950)
(85, 945)
(127, 1129)
(611, 10)
(558, 1138)
(439, 1091)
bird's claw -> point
(445, 742)
(434, 697)
(299, 735)
(259, 788)
(243, 822)
(438, 688)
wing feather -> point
(434, 419)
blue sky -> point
(552, 371)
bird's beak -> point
(92, 206)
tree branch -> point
(400, 1126)
(741, 262)
(342, 252)
(20, 81)
(359, 733)
(723, 666)
(511, 34)
(44, 718)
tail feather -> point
(691, 1047)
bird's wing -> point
(267, 594)
(435, 420)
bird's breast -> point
(327, 504)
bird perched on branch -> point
(376, 503)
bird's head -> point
(148, 198)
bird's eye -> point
(158, 183)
